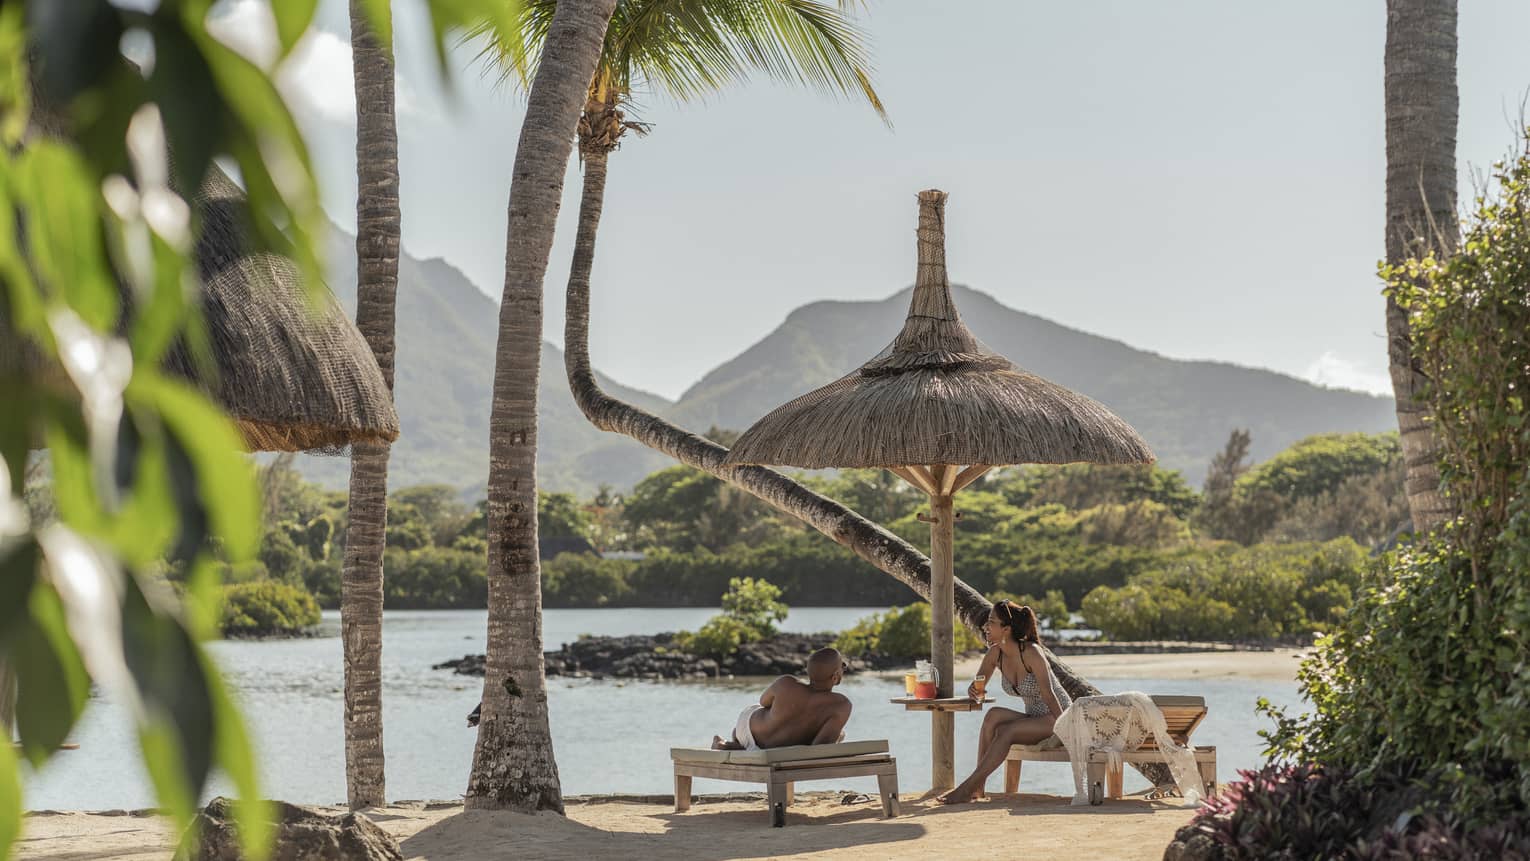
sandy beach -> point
(819, 825)
(1275, 665)
(736, 826)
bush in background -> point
(902, 632)
(267, 608)
(750, 611)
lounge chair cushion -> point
(794, 753)
(1051, 742)
(1169, 700)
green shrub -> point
(1428, 667)
(584, 580)
(902, 632)
(719, 638)
(434, 578)
(750, 612)
(753, 604)
(1265, 592)
(1137, 612)
(267, 608)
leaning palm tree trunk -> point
(377, 247)
(1421, 110)
(889, 553)
(513, 765)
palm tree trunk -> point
(513, 765)
(7, 702)
(1421, 112)
(377, 247)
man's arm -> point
(768, 698)
(834, 727)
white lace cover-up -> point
(1121, 722)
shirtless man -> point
(790, 712)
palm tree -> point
(513, 765)
(377, 246)
(1421, 110)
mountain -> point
(443, 375)
(445, 366)
(1184, 409)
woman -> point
(1014, 657)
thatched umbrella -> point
(287, 365)
(939, 409)
(291, 369)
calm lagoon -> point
(609, 736)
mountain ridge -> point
(447, 328)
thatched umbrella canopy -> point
(291, 369)
(288, 366)
(938, 408)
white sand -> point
(818, 826)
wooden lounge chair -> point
(1182, 714)
(781, 767)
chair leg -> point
(887, 785)
(682, 793)
(1208, 772)
(1011, 776)
(791, 794)
(775, 797)
(1096, 771)
(1113, 782)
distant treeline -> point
(1293, 531)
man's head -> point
(825, 668)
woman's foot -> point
(959, 795)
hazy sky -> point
(1200, 178)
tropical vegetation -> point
(1133, 549)
(1418, 696)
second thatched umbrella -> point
(939, 409)
(289, 368)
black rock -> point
(303, 834)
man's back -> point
(794, 713)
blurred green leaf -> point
(177, 734)
(158, 321)
(64, 231)
(497, 18)
(25, 305)
(163, 757)
(51, 683)
(257, 829)
(75, 45)
(73, 480)
(10, 799)
(273, 159)
(18, 572)
(14, 432)
(380, 18)
(188, 97)
(292, 20)
(225, 480)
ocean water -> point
(608, 736)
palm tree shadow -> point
(698, 835)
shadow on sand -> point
(648, 831)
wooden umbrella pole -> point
(942, 641)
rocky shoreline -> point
(656, 657)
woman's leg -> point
(1021, 730)
(992, 721)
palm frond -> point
(690, 48)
